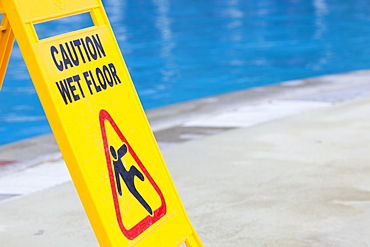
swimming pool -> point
(185, 49)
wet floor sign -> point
(100, 126)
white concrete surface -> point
(252, 115)
(302, 180)
(298, 181)
(36, 178)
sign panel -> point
(100, 127)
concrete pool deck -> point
(285, 165)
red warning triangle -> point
(121, 179)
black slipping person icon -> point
(127, 176)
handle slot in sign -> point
(63, 25)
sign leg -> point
(193, 241)
(6, 46)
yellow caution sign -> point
(100, 126)
(6, 44)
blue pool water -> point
(180, 50)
